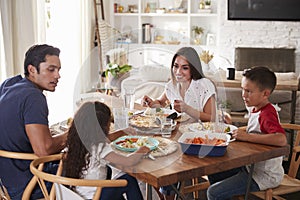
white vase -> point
(115, 82)
(205, 67)
(197, 39)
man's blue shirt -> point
(21, 103)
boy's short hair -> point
(262, 76)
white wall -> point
(269, 34)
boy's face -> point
(252, 95)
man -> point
(24, 117)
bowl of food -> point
(204, 144)
(131, 143)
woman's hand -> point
(227, 118)
(180, 106)
(147, 101)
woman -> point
(88, 153)
(188, 91)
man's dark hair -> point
(37, 54)
(262, 76)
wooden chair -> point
(36, 167)
(290, 183)
(195, 187)
(22, 156)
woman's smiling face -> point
(181, 69)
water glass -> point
(166, 127)
(129, 99)
(219, 127)
(120, 118)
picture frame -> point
(211, 39)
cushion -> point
(286, 76)
(155, 73)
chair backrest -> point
(64, 193)
(152, 89)
(295, 161)
(36, 167)
(22, 156)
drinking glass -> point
(166, 127)
(129, 99)
(120, 118)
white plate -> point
(157, 111)
(195, 127)
(152, 130)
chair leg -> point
(278, 198)
(268, 194)
(160, 195)
(195, 193)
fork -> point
(200, 122)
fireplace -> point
(276, 59)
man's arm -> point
(42, 142)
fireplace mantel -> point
(277, 59)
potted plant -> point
(206, 57)
(198, 31)
(207, 4)
(116, 73)
(225, 106)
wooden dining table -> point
(179, 167)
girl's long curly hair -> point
(89, 127)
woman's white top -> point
(196, 95)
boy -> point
(263, 127)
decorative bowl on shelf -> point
(173, 42)
(160, 11)
(204, 10)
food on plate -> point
(210, 126)
(227, 129)
(131, 143)
(156, 111)
(206, 141)
(143, 122)
(127, 142)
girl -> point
(89, 153)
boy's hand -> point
(240, 134)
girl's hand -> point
(143, 150)
(130, 131)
